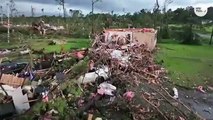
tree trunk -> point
(92, 17)
(64, 11)
(210, 42)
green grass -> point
(38, 44)
(187, 65)
(208, 29)
(71, 44)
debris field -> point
(117, 78)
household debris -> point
(11, 80)
(27, 51)
(20, 101)
(42, 28)
(4, 52)
(129, 95)
(106, 89)
(116, 77)
(9, 67)
(92, 76)
(175, 93)
(201, 89)
(134, 82)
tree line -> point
(79, 25)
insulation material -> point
(106, 88)
(91, 76)
(175, 93)
(20, 101)
(120, 34)
(8, 89)
(116, 54)
(148, 39)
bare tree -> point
(12, 7)
(71, 12)
(156, 7)
(93, 3)
(165, 5)
(155, 10)
(62, 3)
(112, 12)
(59, 9)
(32, 11)
(1, 13)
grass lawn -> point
(187, 65)
(71, 44)
(38, 44)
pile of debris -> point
(116, 79)
(23, 84)
(42, 28)
(126, 82)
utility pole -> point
(8, 23)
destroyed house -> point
(145, 36)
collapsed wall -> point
(145, 36)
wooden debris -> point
(11, 80)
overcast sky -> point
(118, 6)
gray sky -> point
(118, 6)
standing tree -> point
(155, 11)
(71, 12)
(59, 9)
(164, 28)
(32, 11)
(1, 13)
(62, 3)
(165, 6)
(12, 7)
(93, 3)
